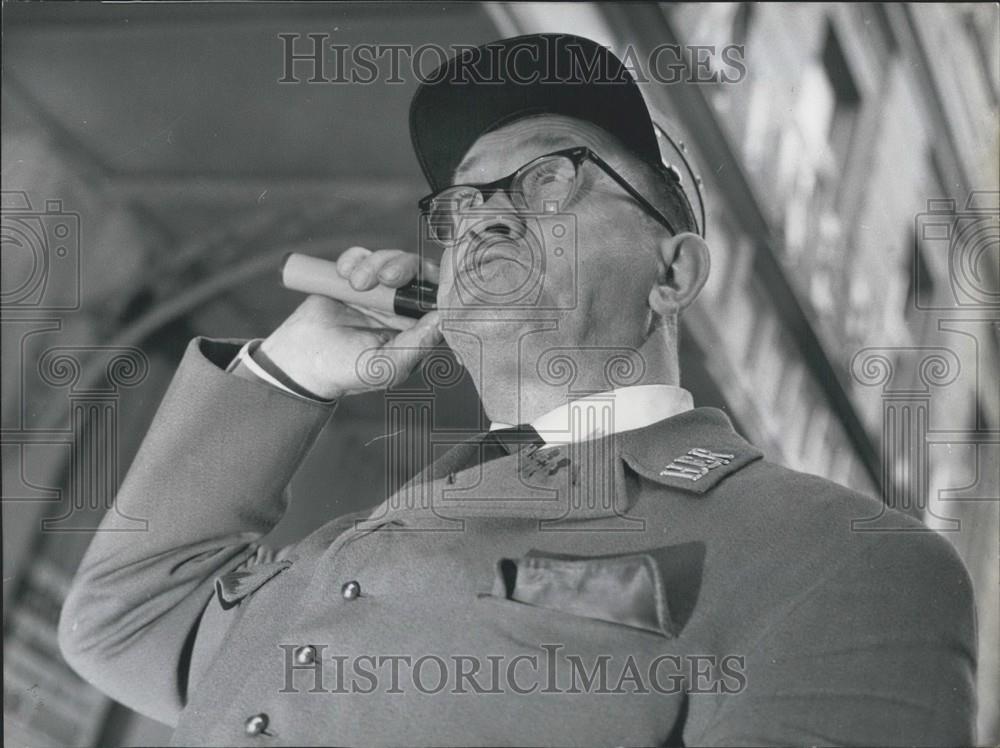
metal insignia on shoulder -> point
(696, 463)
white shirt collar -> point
(607, 413)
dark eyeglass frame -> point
(577, 156)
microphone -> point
(309, 274)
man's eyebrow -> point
(465, 166)
(547, 139)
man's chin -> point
(498, 324)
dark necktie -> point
(503, 442)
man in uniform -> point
(619, 568)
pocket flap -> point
(235, 585)
(626, 590)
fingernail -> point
(390, 274)
(363, 278)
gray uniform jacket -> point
(661, 585)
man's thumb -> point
(391, 363)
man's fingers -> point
(367, 273)
(427, 328)
(383, 319)
(365, 269)
(349, 259)
(397, 270)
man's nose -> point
(499, 216)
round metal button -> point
(351, 590)
(305, 655)
(256, 724)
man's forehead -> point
(500, 152)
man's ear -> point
(684, 266)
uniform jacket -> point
(592, 594)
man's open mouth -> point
(496, 251)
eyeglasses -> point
(546, 184)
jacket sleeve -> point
(880, 651)
(210, 480)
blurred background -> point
(155, 170)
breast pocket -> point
(652, 591)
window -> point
(921, 280)
(847, 97)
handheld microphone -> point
(309, 274)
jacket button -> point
(351, 590)
(256, 724)
(305, 655)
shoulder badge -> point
(696, 463)
(693, 451)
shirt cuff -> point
(265, 370)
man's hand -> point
(334, 349)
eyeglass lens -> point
(543, 186)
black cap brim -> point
(486, 87)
